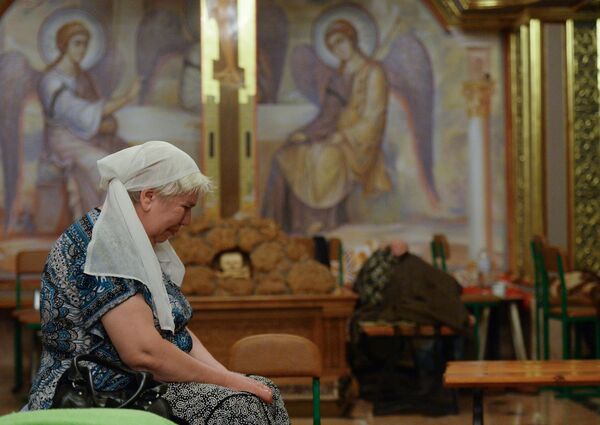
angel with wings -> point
(79, 127)
(321, 163)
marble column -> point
(478, 90)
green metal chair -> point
(440, 251)
(280, 356)
(540, 293)
(26, 263)
(548, 259)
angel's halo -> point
(47, 35)
(360, 19)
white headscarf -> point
(120, 246)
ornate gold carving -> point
(502, 14)
(584, 148)
(537, 181)
(519, 152)
(527, 184)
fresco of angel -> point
(56, 121)
(79, 124)
(351, 79)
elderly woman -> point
(111, 288)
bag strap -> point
(143, 379)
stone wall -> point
(278, 264)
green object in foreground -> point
(100, 416)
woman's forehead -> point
(187, 197)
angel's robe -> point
(73, 114)
(320, 172)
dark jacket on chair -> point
(408, 288)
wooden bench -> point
(479, 375)
(402, 328)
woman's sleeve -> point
(98, 295)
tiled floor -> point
(500, 407)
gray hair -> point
(195, 183)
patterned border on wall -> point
(517, 159)
(584, 148)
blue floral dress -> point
(72, 304)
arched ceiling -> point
(493, 15)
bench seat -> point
(479, 375)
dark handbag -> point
(75, 389)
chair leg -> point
(18, 358)
(566, 340)
(517, 332)
(577, 341)
(316, 401)
(538, 330)
(484, 325)
(546, 331)
(477, 313)
(597, 338)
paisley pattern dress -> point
(72, 304)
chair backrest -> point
(552, 261)
(537, 256)
(440, 251)
(276, 355)
(27, 262)
(541, 295)
(31, 261)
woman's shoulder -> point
(77, 236)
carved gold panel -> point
(584, 142)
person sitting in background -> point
(394, 284)
(111, 288)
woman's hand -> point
(239, 382)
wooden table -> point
(479, 375)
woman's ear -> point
(147, 197)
